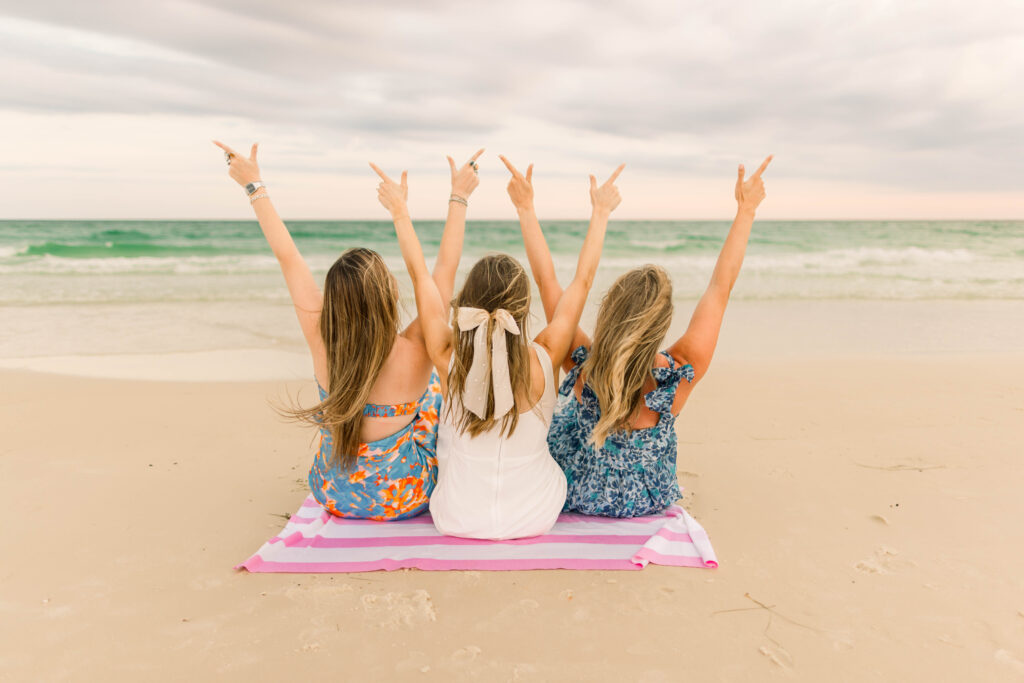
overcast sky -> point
(873, 109)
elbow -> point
(546, 281)
(722, 286)
(585, 280)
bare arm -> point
(558, 336)
(431, 307)
(520, 190)
(305, 293)
(464, 181)
(697, 345)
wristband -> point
(253, 186)
(460, 200)
(261, 195)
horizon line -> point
(516, 220)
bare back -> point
(403, 379)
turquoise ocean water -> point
(102, 262)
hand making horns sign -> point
(606, 196)
(393, 196)
(520, 187)
(243, 170)
(465, 178)
(749, 193)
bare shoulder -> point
(539, 377)
(662, 360)
(405, 373)
(685, 387)
(409, 352)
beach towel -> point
(315, 541)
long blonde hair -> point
(358, 325)
(632, 322)
(495, 281)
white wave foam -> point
(142, 265)
(836, 261)
(9, 251)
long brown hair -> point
(495, 281)
(358, 325)
(634, 317)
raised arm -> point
(520, 191)
(431, 307)
(305, 293)
(558, 336)
(697, 345)
(464, 181)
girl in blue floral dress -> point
(613, 432)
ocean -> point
(152, 286)
(70, 262)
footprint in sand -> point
(317, 593)
(523, 672)
(401, 610)
(415, 660)
(842, 644)
(466, 654)
(881, 563)
(1006, 657)
(777, 655)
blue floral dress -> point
(634, 472)
(392, 478)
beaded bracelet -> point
(460, 200)
(261, 195)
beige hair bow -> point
(474, 396)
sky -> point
(873, 109)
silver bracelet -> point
(460, 200)
(261, 195)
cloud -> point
(918, 95)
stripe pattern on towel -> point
(316, 541)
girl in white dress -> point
(496, 478)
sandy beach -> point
(180, 178)
(864, 506)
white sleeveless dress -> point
(495, 487)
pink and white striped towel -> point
(316, 541)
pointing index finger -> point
(615, 174)
(508, 165)
(764, 165)
(225, 147)
(382, 174)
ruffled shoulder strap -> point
(667, 381)
(579, 354)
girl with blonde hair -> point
(614, 431)
(379, 399)
(496, 478)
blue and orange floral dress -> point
(392, 478)
(634, 472)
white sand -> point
(197, 366)
(871, 502)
